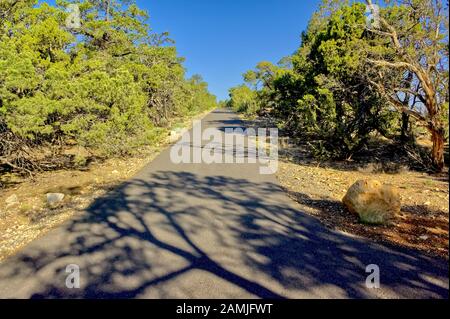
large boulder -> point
(372, 201)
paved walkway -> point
(210, 231)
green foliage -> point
(323, 92)
(199, 100)
(110, 85)
(243, 99)
(334, 102)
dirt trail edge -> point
(210, 231)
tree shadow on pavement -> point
(177, 234)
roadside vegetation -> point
(351, 82)
(363, 100)
(103, 88)
(83, 107)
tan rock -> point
(372, 201)
(12, 199)
(53, 198)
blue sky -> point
(221, 39)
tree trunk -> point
(437, 152)
(405, 135)
(405, 132)
(108, 2)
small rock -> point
(427, 203)
(174, 136)
(53, 198)
(13, 199)
(423, 237)
(174, 132)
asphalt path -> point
(197, 230)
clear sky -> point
(221, 39)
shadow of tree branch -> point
(155, 229)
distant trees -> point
(347, 78)
(243, 99)
(107, 85)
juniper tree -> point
(415, 45)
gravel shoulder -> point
(423, 222)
